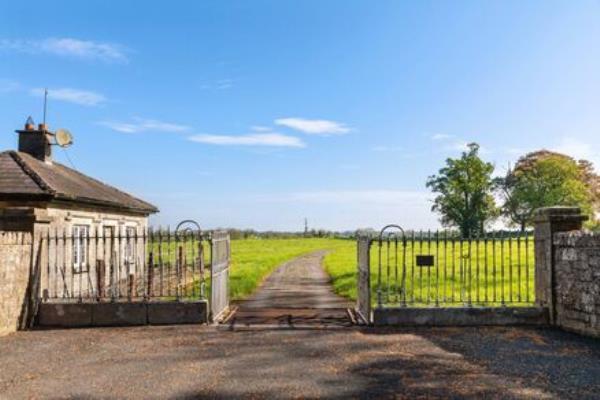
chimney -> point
(35, 141)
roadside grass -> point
(483, 273)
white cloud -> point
(314, 126)
(441, 136)
(463, 146)
(85, 49)
(575, 148)
(223, 84)
(7, 86)
(254, 139)
(384, 148)
(219, 84)
(82, 97)
(457, 146)
(143, 125)
(260, 128)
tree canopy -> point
(464, 190)
(544, 178)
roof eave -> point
(107, 204)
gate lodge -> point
(77, 252)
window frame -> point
(80, 233)
(130, 244)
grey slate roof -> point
(25, 177)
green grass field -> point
(482, 273)
(476, 273)
(252, 260)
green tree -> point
(464, 190)
(543, 179)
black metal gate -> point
(441, 269)
(220, 257)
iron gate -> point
(220, 256)
(441, 269)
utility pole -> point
(305, 226)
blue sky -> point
(261, 113)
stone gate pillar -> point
(31, 223)
(548, 221)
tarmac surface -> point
(287, 361)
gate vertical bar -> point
(220, 256)
(363, 301)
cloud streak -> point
(313, 126)
(7, 86)
(253, 139)
(75, 96)
(70, 47)
(145, 125)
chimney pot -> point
(35, 142)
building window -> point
(130, 245)
(80, 245)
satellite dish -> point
(63, 137)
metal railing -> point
(127, 265)
(442, 269)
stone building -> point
(43, 197)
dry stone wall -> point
(577, 282)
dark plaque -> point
(425, 261)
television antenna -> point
(45, 104)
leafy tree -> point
(465, 187)
(543, 179)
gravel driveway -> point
(298, 294)
(189, 362)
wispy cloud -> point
(385, 148)
(7, 86)
(441, 136)
(84, 49)
(223, 84)
(314, 126)
(219, 84)
(253, 139)
(76, 96)
(144, 125)
(457, 146)
(260, 128)
(575, 148)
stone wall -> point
(577, 282)
(15, 264)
